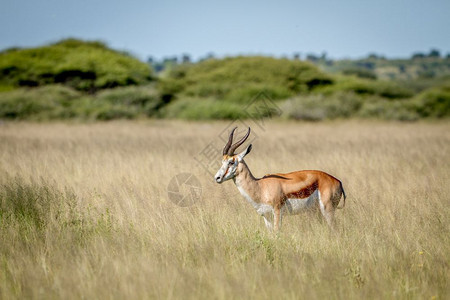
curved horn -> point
(235, 146)
(228, 144)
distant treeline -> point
(419, 65)
(74, 79)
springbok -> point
(276, 194)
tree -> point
(185, 58)
(434, 53)
(208, 56)
(418, 55)
(311, 57)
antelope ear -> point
(245, 152)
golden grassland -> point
(84, 213)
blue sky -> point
(349, 28)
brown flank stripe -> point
(305, 192)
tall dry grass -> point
(84, 213)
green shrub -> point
(419, 85)
(90, 108)
(97, 83)
(320, 107)
(368, 88)
(203, 109)
(434, 102)
(383, 109)
(60, 102)
(114, 112)
(218, 90)
(169, 87)
(38, 103)
(6, 88)
(360, 72)
(144, 99)
(248, 93)
(221, 78)
(82, 65)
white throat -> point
(245, 194)
(261, 209)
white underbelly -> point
(294, 206)
(264, 209)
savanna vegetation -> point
(80, 80)
(85, 210)
(84, 66)
(420, 66)
(85, 213)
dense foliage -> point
(61, 102)
(239, 78)
(74, 79)
(418, 67)
(85, 66)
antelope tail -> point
(345, 196)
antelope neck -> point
(247, 182)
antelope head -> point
(230, 160)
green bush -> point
(232, 78)
(47, 102)
(383, 109)
(97, 83)
(360, 72)
(61, 102)
(419, 85)
(82, 65)
(320, 107)
(434, 102)
(248, 93)
(203, 109)
(368, 87)
(144, 99)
